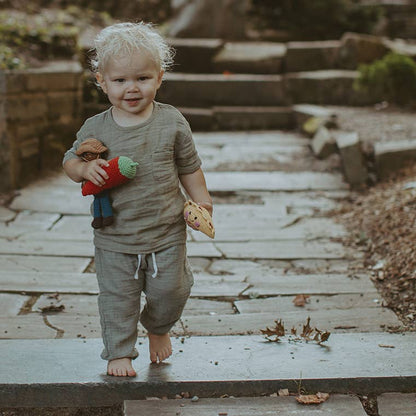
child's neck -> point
(124, 119)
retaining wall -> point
(40, 112)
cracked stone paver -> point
(269, 228)
(273, 181)
(25, 327)
(282, 250)
(30, 263)
(86, 305)
(271, 284)
(11, 304)
(6, 214)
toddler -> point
(144, 250)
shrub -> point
(314, 19)
(392, 78)
(8, 59)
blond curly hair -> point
(125, 39)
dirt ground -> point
(378, 123)
(382, 218)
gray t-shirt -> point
(148, 210)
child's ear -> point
(100, 79)
(159, 78)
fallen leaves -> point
(308, 333)
(312, 398)
(52, 308)
(386, 215)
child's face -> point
(131, 84)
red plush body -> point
(115, 178)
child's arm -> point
(196, 187)
(78, 170)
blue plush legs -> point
(103, 213)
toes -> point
(131, 373)
(153, 357)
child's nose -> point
(133, 86)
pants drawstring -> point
(154, 265)
(139, 262)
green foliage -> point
(19, 30)
(8, 60)
(314, 19)
(36, 36)
(392, 78)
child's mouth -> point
(132, 101)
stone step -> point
(239, 118)
(397, 404)
(311, 56)
(241, 90)
(210, 90)
(336, 405)
(195, 55)
(69, 372)
(251, 58)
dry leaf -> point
(324, 336)
(301, 300)
(307, 330)
(283, 392)
(308, 333)
(55, 295)
(312, 398)
(276, 332)
(52, 308)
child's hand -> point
(93, 171)
(207, 205)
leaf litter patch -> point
(382, 224)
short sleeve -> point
(187, 159)
(86, 131)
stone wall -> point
(40, 112)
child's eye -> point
(143, 78)
(119, 80)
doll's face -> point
(192, 219)
(87, 156)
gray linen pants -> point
(166, 279)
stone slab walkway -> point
(275, 240)
(205, 366)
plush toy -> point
(120, 170)
(199, 218)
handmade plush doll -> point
(120, 170)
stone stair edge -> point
(80, 378)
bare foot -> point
(120, 367)
(160, 347)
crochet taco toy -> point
(120, 170)
(199, 218)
